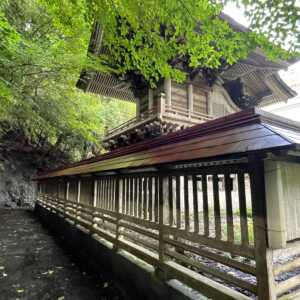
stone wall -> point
(16, 187)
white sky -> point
(291, 76)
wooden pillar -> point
(275, 198)
(190, 98)
(161, 105)
(168, 91)
(150, 99)
(263, 256)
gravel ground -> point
(33, 266)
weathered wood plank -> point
(123, 195)
(225, 260)
(229, 213)
(265, 280)
(135, 197)
(207, 286)
(156, 201)
(243, 208)
(150, 192)
(131, 198)
(205, 205)
(145, 209)
(140, 198)
(215, 272)
(217, 213)
(195, 203)
(170, 199)
(178, 205)
(186, 203)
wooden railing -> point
(184, 114)
(195, 225)
(176, 113)
(136, 121)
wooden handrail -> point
(130, 212)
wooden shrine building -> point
(200, 187)
(203, 97)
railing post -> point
(265, 280)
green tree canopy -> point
(151, 37)
(40, 63)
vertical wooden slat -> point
(170, 197)
(113, 195)
(78, 190)
(195, 204)
(229, 214)
(117, 210)
(178, 206)
(150, 187)
(117, 195)
(140, 197)
(156, 199)
(217, 206)
(104, 193)
(161, 219)
(145, 198)
(95, 193)
(101, 193)
(186, 203)
(131, 196)
(123, 194)
(98, 186)
(205, 205)
(107, 194)
(243, 209)
(108, 190)
(127, 200)
(135, 196)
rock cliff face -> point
(16, 187)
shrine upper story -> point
(172, 106)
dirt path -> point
(34, 267)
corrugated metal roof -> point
(239, 133)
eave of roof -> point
(240, 133)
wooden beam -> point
(150, 99)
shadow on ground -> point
(33, 266)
